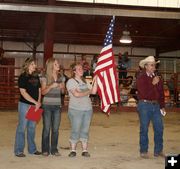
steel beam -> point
(91, 11)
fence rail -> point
(9, 92)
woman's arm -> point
(62, 87)
(29, 98)
(78, 93)
(94, 85)
(46, 88)
(39, 98)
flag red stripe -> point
(105, 52)
(104, 61)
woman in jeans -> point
(52, 86)
(30, 94)
(80, 109)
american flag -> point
(106, 72)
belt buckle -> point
(150, 101)
(153, 102)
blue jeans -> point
(80, 123)
(23, 123)
(150, 112)
(51, 121)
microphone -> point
(156, 73)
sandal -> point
(85, 154)
(72, 154)
(56, 154)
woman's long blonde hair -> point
(49, 70)
(25, 66)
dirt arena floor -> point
(113, 144)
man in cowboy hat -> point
(150, 106)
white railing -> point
(150, 3)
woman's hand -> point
(37, 105)
(62, 86)
(54, 85)
(94, 85)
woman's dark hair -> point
(27, 62)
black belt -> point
(150, 101)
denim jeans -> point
(150, 112)
(80, 123)
(23, 123)
(51, 121)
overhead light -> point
(125, 37)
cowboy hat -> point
(149, 59)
